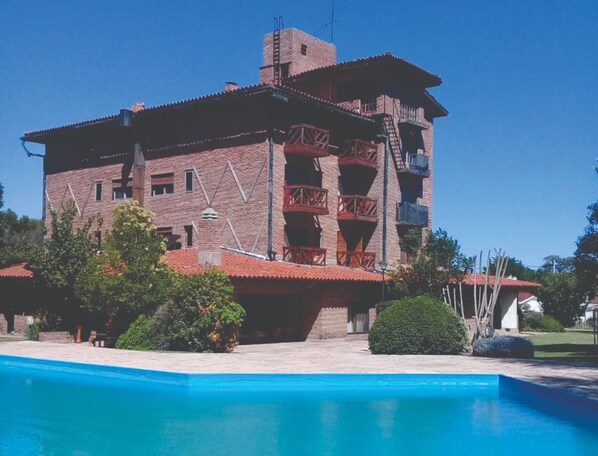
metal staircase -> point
(394, 141)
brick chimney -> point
(210, 238)
(138, 107)
(230, 86)
(138, 175)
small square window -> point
(304, 49)
(98, 191)
(122, 189)
(188, 181)
(162, 184)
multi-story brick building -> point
(320, 164)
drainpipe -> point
(383, 261)
(271, 253)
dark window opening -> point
(284, 70)
(358, 320)
(189, 233)
(98, 191)
(162, 184)
(171, 240)
(304, 49)
(188, 181)
(122, 189)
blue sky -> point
(513, 160)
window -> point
(304, 49)
(98, 191)
(162, 184)
(284, 70)
(189, 181)
(171, 240)
(358, 320)
(189, 233)
(122, 189)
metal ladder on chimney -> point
(278, 26)
(394, 141)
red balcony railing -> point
(356, 207)
(352, 259)
(304, 198)
(307, 141)
(304, 255)
(358, 152)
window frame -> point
(189, 181)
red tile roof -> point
(17, 271)
(238, 266)
(505, 282)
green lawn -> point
(571, 345)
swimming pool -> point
(67, 408)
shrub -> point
(139, 336)
(535, 321)
(200, 317)
(421, 325)
(504, 347)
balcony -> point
(313, 256)
(304, 198)
(358, 152)
(352, 259)
(410, 214)
(307, 141)
(357, 208)
(408, 116)
(416, 165)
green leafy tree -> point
(557, 264)
(561, 297)
(56, 268)
(200, 317)
(586, 254)
(437, 262)
(515, 268)
(128, 278)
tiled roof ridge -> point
(16, 271)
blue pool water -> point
(72, 409)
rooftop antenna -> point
(332, 24)
(278, 26)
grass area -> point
(572, 345)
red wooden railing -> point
(308, 140)
(305, 198)
(360, 152)
(356, 207)
(352, 259)
(304, 255)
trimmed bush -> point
(421, 325)
(535, 321)
(504, 347)
(200, 317)
(139, 336)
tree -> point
(515, 268)
(556, 264)
(128, 278)
(586, 254)
(561, 296)
(57, 266)
(437, 262)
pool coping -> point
(550, 399)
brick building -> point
(321, 164)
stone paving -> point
(335, 355)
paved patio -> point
(317, 356)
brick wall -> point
(318, 53)
(242, 216)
